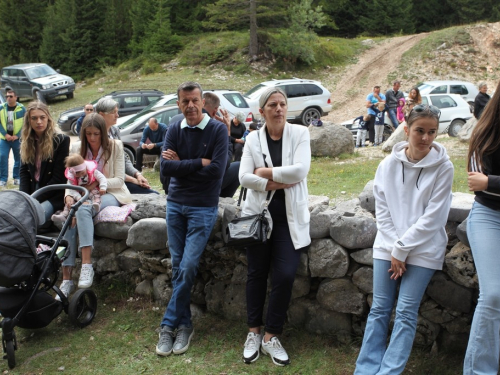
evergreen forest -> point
(79, 37)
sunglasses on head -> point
(424, 107)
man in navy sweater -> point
(194, 156)
(155, 132)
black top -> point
(237, 131)
(276, 154)
(492, 170)
(479, 104)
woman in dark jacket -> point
(481, 100)
(43, 150)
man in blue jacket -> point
(11, 123)
(194, 156)
(155, 132)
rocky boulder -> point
(466, 131)
(330, 140)
(460, 265)
(327, 259)
(397, 136)
(461, 205)
(357, 232)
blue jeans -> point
(5, 147)
(375, 356)
(483, 231)
(188, 230)
(85, 228)
(393, 115)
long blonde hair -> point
(28, 146)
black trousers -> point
(371, 129)
(139, 152)
(279, 256)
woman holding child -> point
(108, 155)
(411, 240)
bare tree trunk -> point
(254, 43)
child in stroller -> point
(26, 276)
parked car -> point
(131, 130)
(455, 113)
(308, 100)
(36, 80)
(468, 91)
(129, 102)
(230, 100)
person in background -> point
(134, 180)
(482, 98)
(411, 240)
(392, 101)
(194, 156)
(89, 108)
(11, 123)
(362, 129)
(155, 133)
(251, 128)
(401, 110)
(483, 232)
(237, 130)
(276, 158)
(372, 101)
(413, 99)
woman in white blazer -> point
(108, 154)
(276, 158)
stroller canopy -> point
(20, 215)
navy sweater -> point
(191, 184)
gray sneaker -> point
(183, 338)
(165, 342)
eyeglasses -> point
(424, 107)
(10, 96)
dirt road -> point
(351, 86)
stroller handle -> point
(81, 189)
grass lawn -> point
(122, 340)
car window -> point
(295, 91)
(443, 101)
(166, 116)
(439, 90)
(40, 71)
(152, 99)
(424, 100)
(458, 89)
(236, 100)
(313, 90)
(131, 101)
(172, 101)
(21, 74)
(257, 88)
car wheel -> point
(71, 95)
(40, 96)
(455, 127)
(129, 154)
(73, 128)
(309, 115)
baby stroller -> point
(26, 276)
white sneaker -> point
(66, 288)
(274, 349)
(252, 347)
(86, 276)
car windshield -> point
(425, 87)
(40, 71)
(236, 100)
(254, 93)
(133, 119)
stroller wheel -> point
(11, 355)
(82, 307)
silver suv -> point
(308, 100)
(37, 81)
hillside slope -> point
(475, 58)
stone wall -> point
(333, 287)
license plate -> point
(63, 91)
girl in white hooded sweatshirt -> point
(412, 200)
